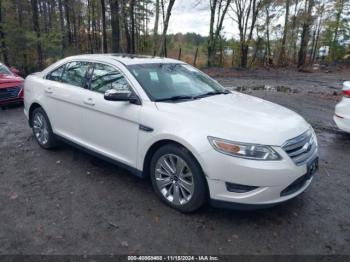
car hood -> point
(9, 79)
(238, 117)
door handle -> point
(48, 90)
(89, 102)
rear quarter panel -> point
(34, 92)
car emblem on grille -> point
(307, 147)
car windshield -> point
(4, 70)
(172, 82)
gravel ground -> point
(68, 202)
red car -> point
(11, 86)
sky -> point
(187, 17)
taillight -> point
(346, 89)
(346, 93)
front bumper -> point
(11, 101)
(272, 179)
(11, 95)
(342, 117)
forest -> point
(36, 33)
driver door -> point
(110, 128)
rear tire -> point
(42, 130)
(178, 179)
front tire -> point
(178, 179)
(42, 129)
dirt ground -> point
(68, 202)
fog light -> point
(237, 188)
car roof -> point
(128, 59)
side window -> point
(56, 75)
(75, 73)
(106, 77)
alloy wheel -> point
(40, 128)
(174, 179)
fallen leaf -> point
(13, 195)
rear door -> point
(111, 128)
(64, 91)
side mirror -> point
(15, 71)
(121, 95)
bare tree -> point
(36, 29)
(132, 27)
(218, 11)
(166, 18)
(115, 26)
(246, 12)
(63, 35)
(320, 10)
(339, 6)
(68, 25)
(104, 27)
(294, 30)
(282, 57)
(156, 25)
(305, 35)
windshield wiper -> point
(212, 93)
(176, 98)
(186, 97)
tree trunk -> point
(337, 23)
(305, 35)
(95, 37)
(132, 19)
(126, 27)
(75, 29)
(68, 26)
(313, 40)
(2, 38)
(313, 55)
(244, 55)
(156, 25)
(294, 32)
(104, 27)
(253, 10)
(195, 57)
(257, 47)
(211, 44)
(63, 35)
(44, 13)
(90, 44)
(115, 26)
(214, 36)
(162, 49)
(36, 29)
(282, 56)
(268, 56)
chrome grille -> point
(301, 148)
(9, 93)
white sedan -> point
(342, 110)
(164, 119)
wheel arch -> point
(158, 144)
(32, 107)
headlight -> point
(314, 136)
(243, 150)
